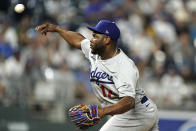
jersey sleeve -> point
(85, 45)
(126, 81)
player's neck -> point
(107, 54)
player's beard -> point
(95, 50)
(98, 47)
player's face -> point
(97, 43)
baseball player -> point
(114, 78)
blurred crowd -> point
(43, 71)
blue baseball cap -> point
(108, 28)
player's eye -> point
(94, 39)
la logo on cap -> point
(107, 32)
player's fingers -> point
(37, 28)
(41, 27)
(44, 31)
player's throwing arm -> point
(72, 38)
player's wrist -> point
(101, 113)
(57, 28)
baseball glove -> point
(84, 116)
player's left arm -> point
(125, 104)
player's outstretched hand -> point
(46, 28)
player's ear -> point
(107, 40)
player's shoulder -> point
(126, 64)
(125, 61)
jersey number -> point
(106, 92)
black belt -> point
(144, 99)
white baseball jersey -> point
(113, 79)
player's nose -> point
(91, 41)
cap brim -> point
(94, 29)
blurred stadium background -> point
(41, 77)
